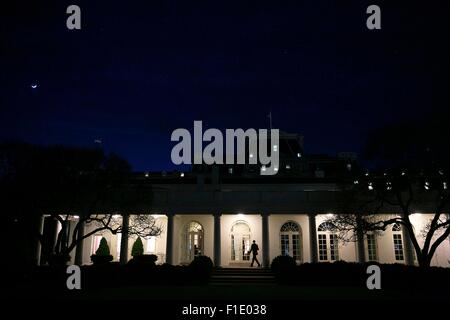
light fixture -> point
(251, 155)
(445, 185)
(182, 174)
(370, 186)
(427, 185)
(146, 174)
(388, 185)
(275, 169)
(349, 166)
(367, 173)
(403, 173)
(263, 168)
(275, 147)
(288, 166)
(299, 155)
(230, 170)
(355, 182)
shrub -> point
(102, 255)
(138, 248)
(202, 262)
(200, 268)
(103, 248)
(283, 264)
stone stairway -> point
(242, 276)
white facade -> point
(194, 235)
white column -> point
(169, 239)
(313, 237)
(124, 239)
(38, 241)
(217, 240)
(265, 239)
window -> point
(290, 240)
(323, 247)
(328, 242)
(398, 242)
(240, 241)
(192, 245)
(95, 243)
(372, 247)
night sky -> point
(137, 71)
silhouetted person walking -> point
(254, 250)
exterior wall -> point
(442, 254)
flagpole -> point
(270, 120)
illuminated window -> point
(240, 241)
(398, 242)
(290, 240)
(372, 247)
(192, 245)
(328, 242)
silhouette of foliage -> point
(103, 248)
(138, 248)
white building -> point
(219, 211)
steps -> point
(242, 276)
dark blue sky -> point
(137, 71)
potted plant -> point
(138, 248)
(102, 255)
(137, 251)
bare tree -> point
(397, 192)
(140, 225)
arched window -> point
(398, 242)
(328, 242)
(193, 241)
(240, 241)
(290, 235)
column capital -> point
(170, 214)
(265, 214)
(312, 214)
(218, 215)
